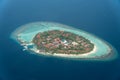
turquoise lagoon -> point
(104, 51)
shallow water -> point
(28, 31)
(89, 15)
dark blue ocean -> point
(100, 17)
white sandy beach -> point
(78, 55)
(85, 55)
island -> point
(62, 42)
(58, 40)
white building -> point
(74, 43)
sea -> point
(99, 17)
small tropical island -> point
(58, 40)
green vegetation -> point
(56, 41)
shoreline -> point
(76, 55)
(107, 57)
(79, 56)
(101, 50)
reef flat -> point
(54, 39)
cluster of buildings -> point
(83, 42)
(51, 42)
(57, 42)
